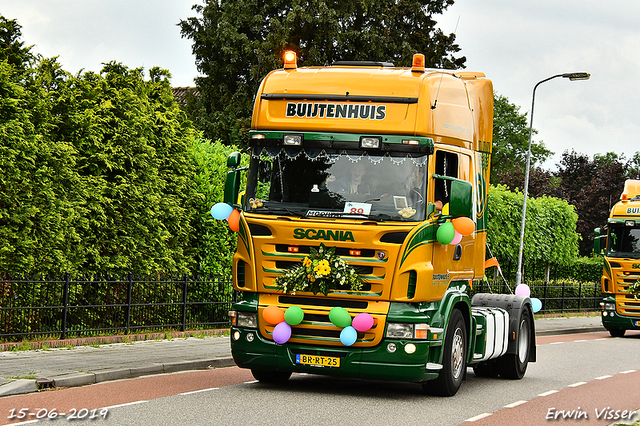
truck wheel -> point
(616, 332)
(513, 366)
(454, 359)
(265, 376)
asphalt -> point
(28, 371)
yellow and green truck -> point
(621, 274)
(363, 225)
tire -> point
(454, 359)
(513, 366)
(616, 332)
(486, 369)
(265, 376)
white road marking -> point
(478, 417)
(515, 404)
(548, 393)
(197, 391)
(604, 377)
(124, 405)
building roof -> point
(180, 94)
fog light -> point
(391, 347)
(250, 337)
(292, 139)
(370, 141)
(236, 335)
(410, 348)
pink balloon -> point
(456, 239)
(282, 333)
(523, 290)
(362, 322)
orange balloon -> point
(273, 315)
(464, 225)
(234, 220)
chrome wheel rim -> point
(457, 353)
(523, 342)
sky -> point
(515, 43)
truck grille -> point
(316, 328)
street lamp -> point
(572, 76)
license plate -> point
(318, 361)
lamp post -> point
(572, 77)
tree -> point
(633, 167)
(95, 172)
(237, 42)
(592, 186)
(12, 49)
(550, 229)
(511, 140)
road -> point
(574, 374)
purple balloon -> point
(281, 333)
(362, 322)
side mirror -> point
(234, 159)
(461, 198)
(597, 249)
(232, 183)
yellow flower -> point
(306, 262)
(322, 268)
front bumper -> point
(611, 320)
(252, 351)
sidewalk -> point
(26, 371)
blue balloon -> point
(348, 336)
(221, 211)
(536, 304)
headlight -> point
(396, 330)
(609, 306)
(399, 330)
(244, 319)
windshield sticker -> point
(330, 110)
(357, 208)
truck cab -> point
(383, 171)
(619, 242)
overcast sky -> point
(515, 43)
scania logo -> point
(322, 234)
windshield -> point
(337, 183)
(624, 241)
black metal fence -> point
(561, 296)
(65, 306)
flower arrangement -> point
(634, 289)
(319, 272)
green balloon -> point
(340, 317)
(446, 233)
(293, 315)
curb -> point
(23, 386)
(570, 331)
(106, 340)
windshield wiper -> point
(282, 210)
